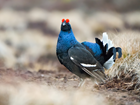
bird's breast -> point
(64, 43)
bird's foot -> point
(82, 81)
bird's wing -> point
(93, 48)
(84, 59)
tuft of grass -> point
(127, 68)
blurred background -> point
(29, 28)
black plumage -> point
(84, 59)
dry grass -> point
(129, 65)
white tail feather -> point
(105, 41)
(105, 38)
(108, 64)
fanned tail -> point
(105, 41)
(109, 51)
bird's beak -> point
(63, 23)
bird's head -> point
(65, 26)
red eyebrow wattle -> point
(67, 20)
(63, 20)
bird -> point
(86, 59)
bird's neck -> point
(65, 41)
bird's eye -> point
(67, 20)
(63, 20)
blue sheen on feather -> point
(94, 47)
(65, 41)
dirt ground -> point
(64, 80)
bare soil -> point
(115, 90)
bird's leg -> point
(96, 82)
(82, 81)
